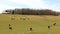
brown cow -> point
(9, 25)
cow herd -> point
(51, 25)
(10, 27)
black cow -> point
(30, 29)
(48, 27)
(54, 24)
(10, 28)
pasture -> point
(21, 24)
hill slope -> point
(21, 24)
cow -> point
(10, 28)
(9, 25)
(12, 18)
(48, 27)
(30, 29)
(54, 24)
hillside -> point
(21, 23)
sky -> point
(32, 4)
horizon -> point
(32, 4)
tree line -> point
(25, 11)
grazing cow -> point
(54, 24)
(30, 29)
(10, 28)
(9, 25)
(12, 18)
(24, 19)
(48, 27)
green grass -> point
(39, 24)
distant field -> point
(21, 24)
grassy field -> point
(21, 24)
